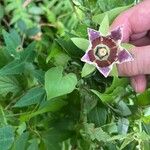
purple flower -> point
(104, 51)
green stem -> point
(3, 115)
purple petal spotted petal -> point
(124, 56)
(105, 70)
(93, 34)
(117, 34)
(86, 58)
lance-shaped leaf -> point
(33, 96)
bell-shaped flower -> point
(104, 51)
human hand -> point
(136, 24)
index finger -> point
(135, 20)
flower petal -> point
(124, 56)
(85, 57)
(91, 55)
(117, 34)
(103, 63)
(88, 56)
(93, 34)
(105, 70)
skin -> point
(136, 24)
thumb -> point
(140, 65)
(139, 83)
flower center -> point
(101, 52)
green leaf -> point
(70, 47)
(39, 75)
(116, 137)
(34, 10)
(76, 2)
(142, 99)
(142, 136)
(14, 67)
(51, 16)
(112, 14)
(104, 26)
(57, 85)
(21, 128)
(127, 46)
(146, 111)
(127, 141)
(61, 59)
(103, 97)
(12, 41)
(33, 145)
(111, 97)
(33, 96)
(4, 57)
(51, 106)
(123, 125)
(111, 128)
(9, 84)
(22, 25)
(6, 137)
(90, 100)
(55, 50)
(124, 109)
(21, 141)
(94, 133)
(100, 135)
(32, 31)
(54, 136)
(98, 116)
(114, 71)
(81, 43)
(48, 106)
(28, 54)
(123, 82)
(87, 69)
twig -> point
(26, 3)
(22, 41)
(3, 115)
(47, 24)
(6, 23)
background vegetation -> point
(45, 103)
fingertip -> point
(139, 83)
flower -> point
(104, 51)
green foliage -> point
(16, 8)
(13, 42)
(112, 14)
(14, 67)
(87, 69)
(50, 100)
(21, 141)
(6, 137)
(9, 84)
(57, 85)
(104, 26)
(81, 43)
(33, 96)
